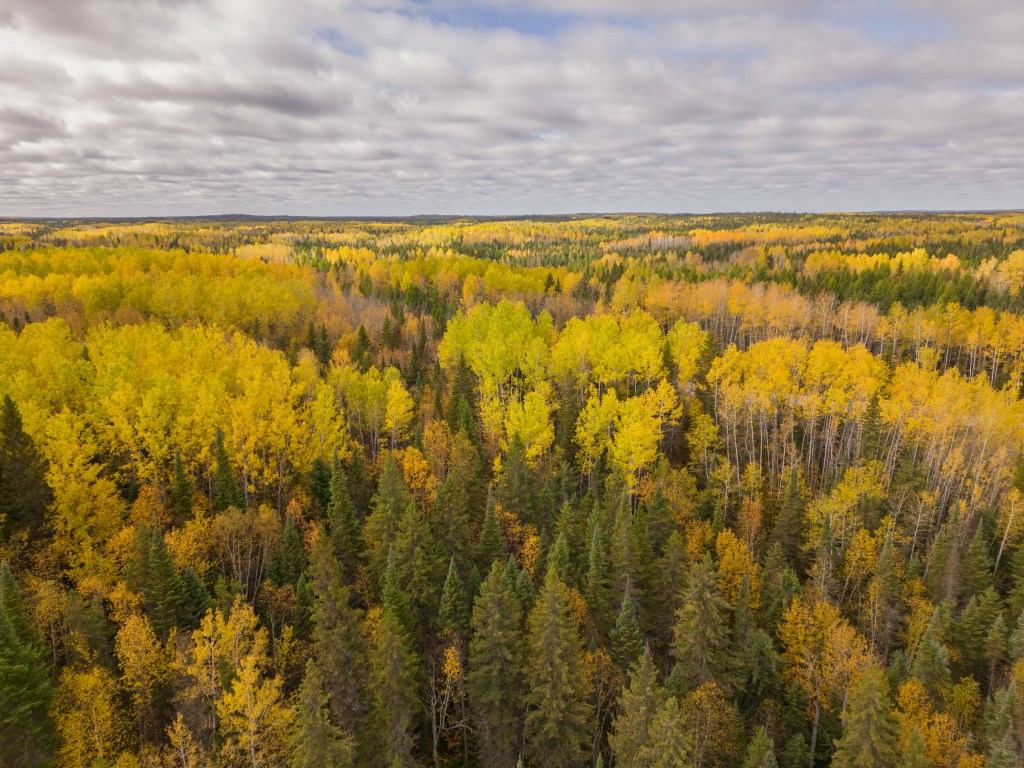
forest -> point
(630, 491)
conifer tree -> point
(976, 565)
(420, 565)
(913, 754)
(788, 531)
(452, 614)
(558, 557)
(623, 573)
(491, 546)
(942, 573)
(196, 600)
(514, 489)
(629, 739)
(558, 710)
(343, 524)
(26, 731)
(393, 686)
(24, 494)
(494, 681)
(165, 593)
(226, 490)
(627, 642)
(388, 505)
(870, 727)
(672, 570)
(760, 751)
(320, 484)
(670, 741)
(318, 742)
(1002, 727)
(931, 663)
(701, 637)
(339, 648)
(181, 490)
(451, 514)
(291, 560)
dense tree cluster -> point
(623, 491)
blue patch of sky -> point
(524, 20)
(339, 41)
(887, 25)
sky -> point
(404, 107)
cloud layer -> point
(393, 107)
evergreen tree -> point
(913, 755)
(387, 507)
(558, 709)
(362, 350)
(623, 572)
(393, 689)
(760, 751)
(26, 731)
(226, 491)
(931, 663)
(452, 614)
(420, 566)
(672, 570)
(451, 513)
(626, 639)
(976, 565)
(494, 681)
(942, 575)
(1002, 728)
(629, 739)
(320, 484)
(318, 742)
(788, 531)
(701, 638)
(514, 489)
(165, 593)
(491, 546)
(756, 660)
(343, 524)
(339, 648)
(393, 597)
(670, 740)
(558, 557)
(181, 490)
(870, 727)
(291, 560)
(461, 401)
(24, 494)
(196, 600)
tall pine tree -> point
(558, 709)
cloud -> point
(347, 107)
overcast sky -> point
(394, 107)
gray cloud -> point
(110, 107)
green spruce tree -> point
(558, 709)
